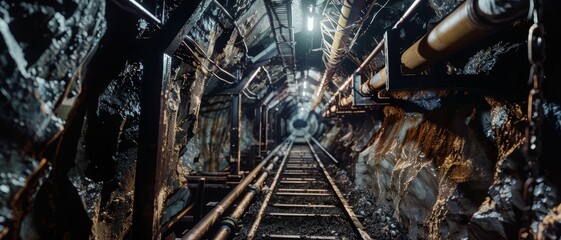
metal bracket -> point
(397, 81)
(359, 100)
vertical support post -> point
(262, 131)
(258, 121)
(235, 118)
(152, 131)
(200, 199)
(266, 129)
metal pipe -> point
(259, 216)
(404, 18)
(245, 90)
(470, 22)
(198, 231)
(226, 229)
(138, 10)
(350, 10)
(291, 35)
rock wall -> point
(450, 163)
(44, 48)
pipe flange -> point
(230, 222)
(252, 188)
(476, 16)
(267, 171)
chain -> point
(533, 145)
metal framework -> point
(280, 17)
(339, 30)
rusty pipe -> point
(472, 21)
(229, 224)
(467, 24)
(404, 18)
(199, 230)
(227, 228)
(265, 203)
(349, 13)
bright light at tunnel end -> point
(310, 23)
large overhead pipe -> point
(404, 18)
(349, 13)
(470, 22)
(199, 230)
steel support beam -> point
(153, 113)
(259, 123)
(470, 22)
(235, 117)
(350, 11)
(152, 130)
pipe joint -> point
(267, 171)
(230, 222)
(476, 16)
(253, 189)
(495, 12)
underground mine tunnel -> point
(280, 119)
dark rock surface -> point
(44, 46)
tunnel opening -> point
(167, 119)
(299, 123)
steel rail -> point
(348, 210)
(199, 230)
(259, 216)
(324, 150)
(230, 223)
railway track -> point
(304, 202)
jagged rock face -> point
(434, 155)
(43, 48)
(111, 144)
(419, 169)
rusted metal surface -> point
(280, 236)
(152, 133)
(461, 28)
(199, 230)
(317, 202)
(226, 229)
(259, 216)
(348, 210)
(350, 10)
(235, 121)
(166, 227)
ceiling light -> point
(310, 23)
